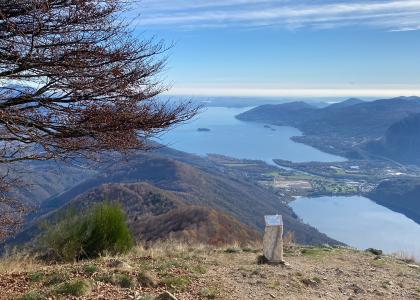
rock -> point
(166, 296)
(413, 266)
(374, 251)
(338, 271)
(310, 282)
(273, 239)
(261, 260)
(378, 293)
(356, 289)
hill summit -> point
(186, 272)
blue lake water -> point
(231, 137)
(361, 223)
(356, 221)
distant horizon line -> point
(295, 92)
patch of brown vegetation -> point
(156, 214)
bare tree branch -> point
(77, 82)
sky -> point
(286, 47)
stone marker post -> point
(273, 239)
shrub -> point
(62, 240)
(76, 288)
(107, 231)
(56, 278)
(36, 277)
(90, 269)
(119, 279)
(101, 229)
(33, 295)
(209, 293)
(125, 281)
(177, 282)
(105, 277)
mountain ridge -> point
(342, 129)
(401, 195)
(192, 185)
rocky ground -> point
(205, 273)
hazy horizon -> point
(287, 48)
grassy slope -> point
(203, 272)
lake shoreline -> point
(303, 170)
(245, 140)
(360, 222)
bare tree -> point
(75, 81)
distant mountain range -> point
(171, 194)
(351, 128)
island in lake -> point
(269, 127)
(203, 129)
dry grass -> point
(406, 257)
(16, 261)
(289, 240)
(13, 262)
(170, 248)
(193, 272)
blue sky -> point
(287, 48)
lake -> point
(361, 223)
(231, 137)
(356, 221)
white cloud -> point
(391, 15)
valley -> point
(222, 190)
(196, 150)
(178, 195)
(308, 177)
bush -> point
(36, 277)
(33, 295)
(176, 282)
(102, 229)
(125, 281)
(56, 278)
(76, 288)
(90, 269)
(209, 293)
